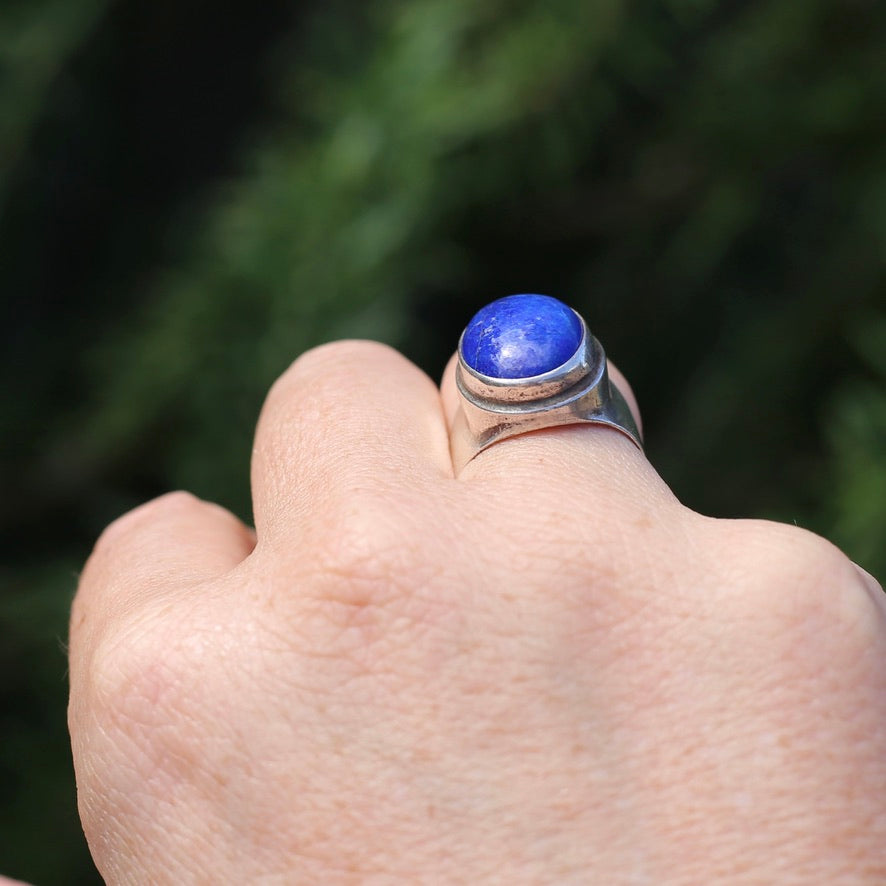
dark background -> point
(193, 193)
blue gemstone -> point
(520, 336)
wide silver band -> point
(578, 392)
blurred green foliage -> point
(190, 196)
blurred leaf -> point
(36, 39)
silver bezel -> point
(568, 381)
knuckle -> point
(128, 541)
(139, 693)
(814, 566)
(304, 404)
(331, 364)
(158, 509)
(794, 576)
(136, 703)
(130, 678)
(372, 589)
(371, 545)
(343, 353)
(118, 695)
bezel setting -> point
(578, 391)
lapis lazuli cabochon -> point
(520, 336)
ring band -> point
(512, 377)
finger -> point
(162, 549)
(345, 417)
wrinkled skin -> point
(546, 670)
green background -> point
(193, 193)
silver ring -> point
(494, 406)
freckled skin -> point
(545, 670)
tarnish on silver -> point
(578, 392)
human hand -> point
(544, 671)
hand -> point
(544, 671)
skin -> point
(546, 670)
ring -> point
(527, 362)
